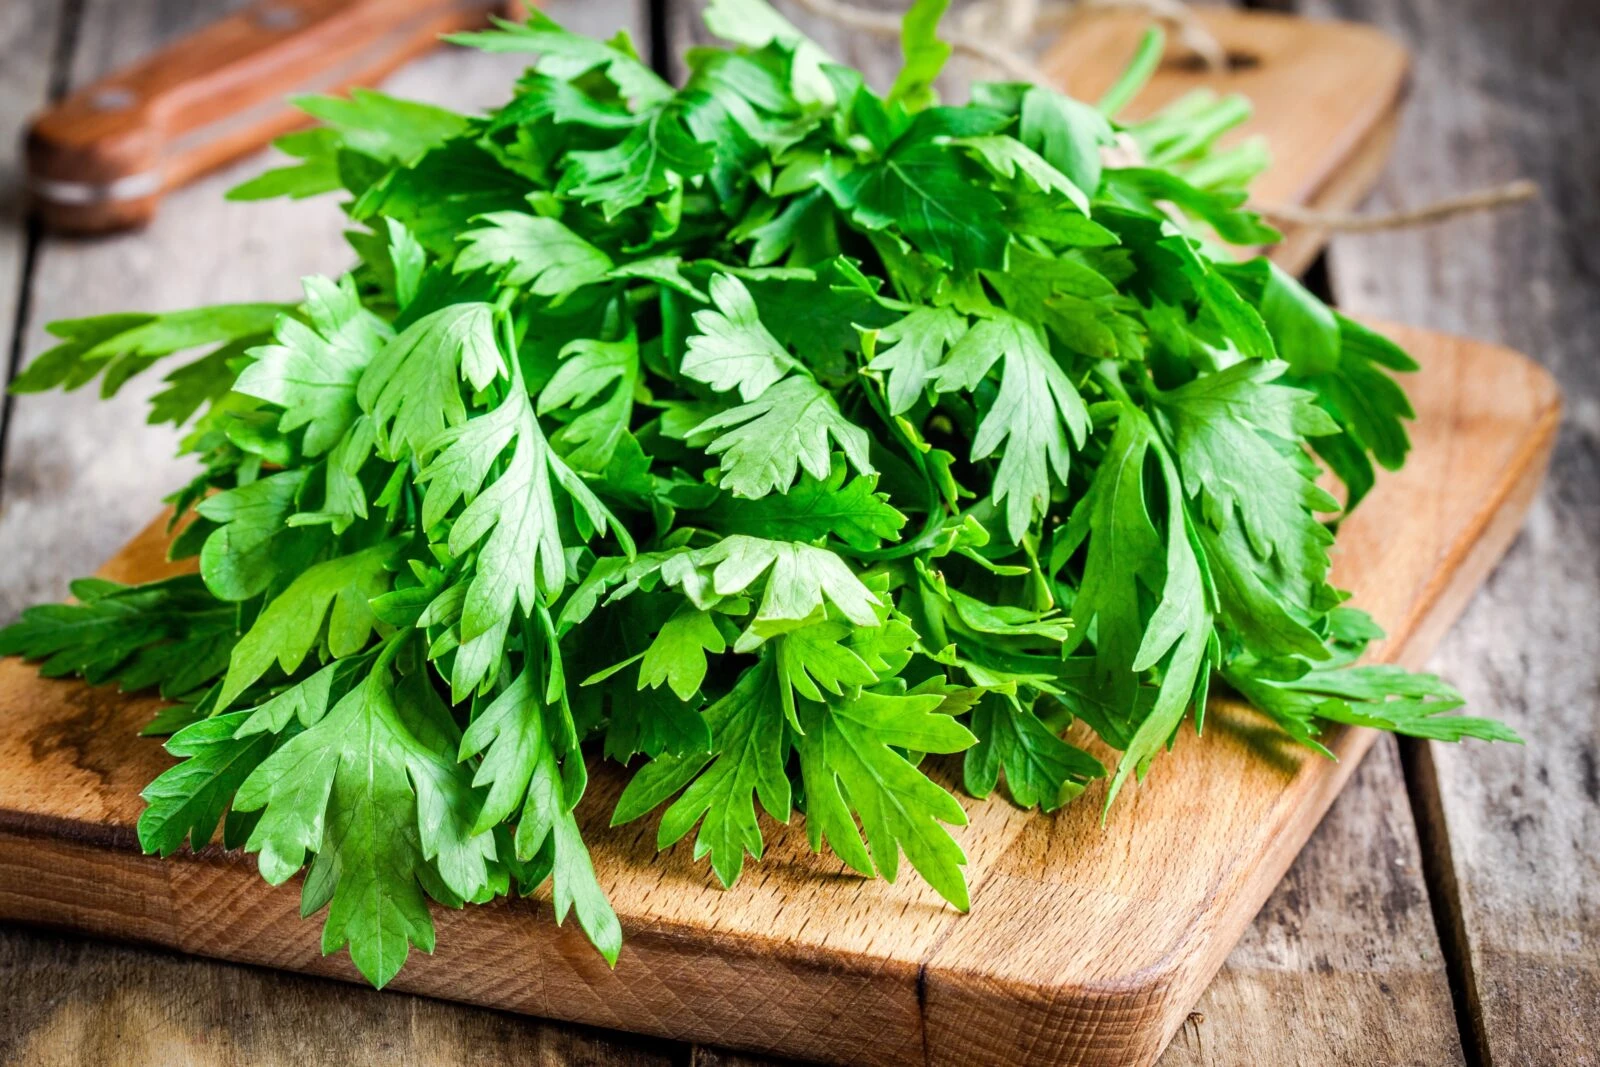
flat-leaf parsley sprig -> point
(766, 434)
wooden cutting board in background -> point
(1083, 945)
(1326, 98)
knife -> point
(103, 157)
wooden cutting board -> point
(1083, 945)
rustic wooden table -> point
(1448, 909)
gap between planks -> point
(1444, 897)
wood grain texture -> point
(1504, 92)
(71, 1001)
(1084, 945)
(29, 34)
(1342, 966)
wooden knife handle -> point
(102, 158)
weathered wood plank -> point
(1342, 966)
(69, 1000)
(1501, 93)
(80, 474)
(29, 33)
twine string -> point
(1448, 207)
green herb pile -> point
(767, 435)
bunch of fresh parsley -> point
(769, 433)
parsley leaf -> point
(1040, 769)
(1037, 414)
(519, 767)
(848, 750)
(411, 388)
(338, 590)
(532, 251)
(588, 369)
(350, 789)
(731, 349)
(813, 507)
(932, 194)
(187, 801)
(763, 444)
(311, 371)
(746, 761)
(911, 351)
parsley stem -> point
(1143, 64)
(1111, 381)
(934, 522)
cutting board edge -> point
(1169, 987)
